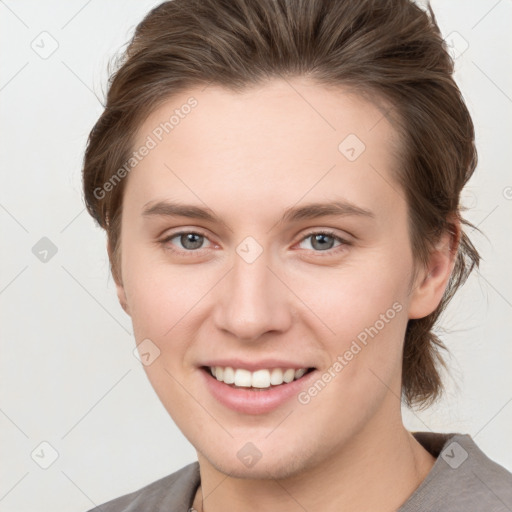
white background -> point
(69, 376)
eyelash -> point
(198, 252)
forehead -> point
(282, 142)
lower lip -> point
(249, 401)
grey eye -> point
(190, 241)
(320, 241)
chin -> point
(271, 466)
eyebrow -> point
(293, 214)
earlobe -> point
(121, 294)
(432, 281)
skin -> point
(248, 157)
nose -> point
(252, 300)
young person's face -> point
(256, 290)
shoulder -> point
(462, 478)
(173, 492)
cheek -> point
(360, 311)
(161, 302)
(353, 296)
(164, 304)
(159, 294)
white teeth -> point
(300, 373)
(276, 377)
(229, 375)
(289, 375)
(259, 379)
(243, 378)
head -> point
(249, 110)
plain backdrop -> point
(80, 422)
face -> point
(229, 260)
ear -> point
(431, 282)
(121, 294)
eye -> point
(189, 241)
(322, 241)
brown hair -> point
(389, 50)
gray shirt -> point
(463, 479)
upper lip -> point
(252, 366)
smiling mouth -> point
(259, 380)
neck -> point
(378, 470)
